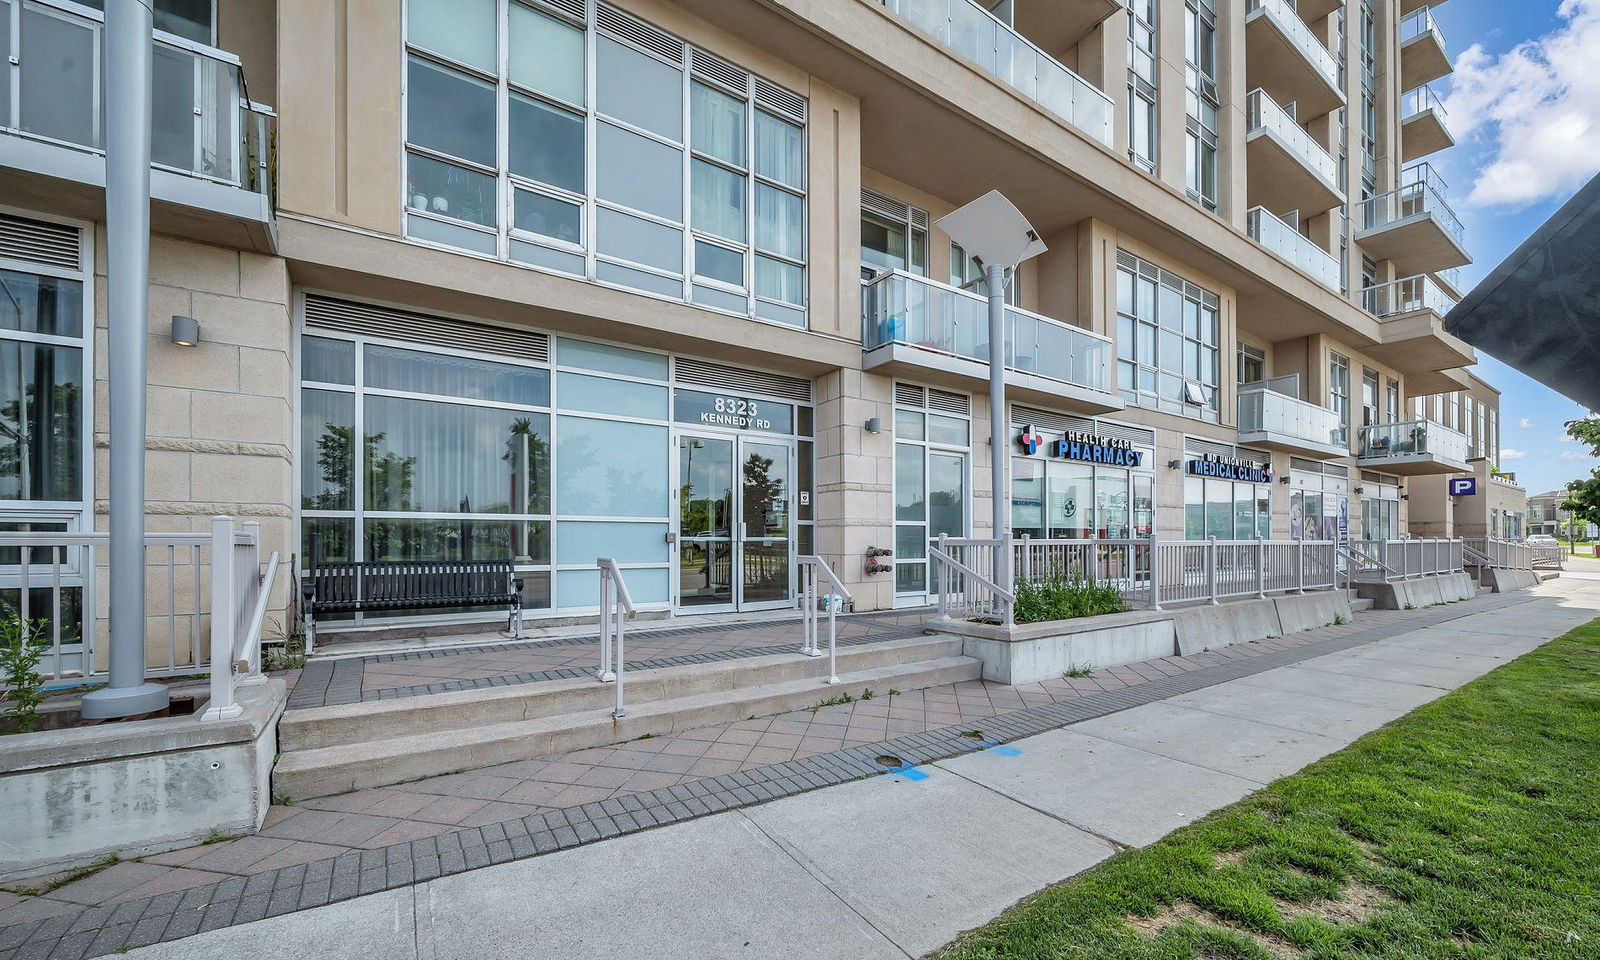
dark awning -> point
(1539, 311)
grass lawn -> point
(1470, 828)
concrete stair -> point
(329, 750)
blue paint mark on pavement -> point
(1006, 751)
(910, 773)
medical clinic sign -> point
(1230, 468)
(1086, 447)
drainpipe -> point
(127, 105)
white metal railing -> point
(616, 608)
(901, 308)
(1422, 194)
(1263, 113)
(1384, 440)
(1547, 557)
(1421, 100)
(1267, 411)
(1290, 244)
(1418, 22)
(1003, 53)
(1505, 554)
(1289, 22)
(1420, 292)
(814, 571)
(967, 584)
(193, 622)
(204, 123)
(1407, 559)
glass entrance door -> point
(735, 537)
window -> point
(966, 274)
(1339, 392)
(1252, 364)
(1143, 131)
(894, 235)
(1168, 331)
(1391, 405)
(42, 410)
(189, 19)
(708, 207)
(1369, 397)
(931, 452)
(1200, 27)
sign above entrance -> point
(1463, 486)
(734, 412)
(1087, 447)
(1231, 468)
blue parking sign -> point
(1463, 486)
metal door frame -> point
(737, 537)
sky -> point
(1524, 107)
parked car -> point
(1543, 540)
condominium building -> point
(661, 280)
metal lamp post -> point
(995, 233)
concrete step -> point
(1358, 605)
(321, 727)
(396, 759)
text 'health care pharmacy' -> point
(1087, 447)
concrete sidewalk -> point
(896, 865)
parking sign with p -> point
(1463, 486)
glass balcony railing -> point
(203, 124)
(1411, 438)
(1421, 194)
(1267, 411)
(1005, 54)
(1421, 292)
(1293, 27)
(1452, 278)
(1265, 114)
(1421, 100)
(1291, 245)
(908, 310)
(1419, 22)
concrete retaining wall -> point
(1199, 629)
(1312, 610)
(1419, 593)
(1503, 581)
(69, 797)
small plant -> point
(215, 836)
(1411, 606)
(23, 644)
(62, 879)
(286, 650)
(1339, 620)
(893, 692)
(867, 694)
(283, 799)
(972, 734)
(645, 736)
(1075, 671)
(1062, 597)
(838, 701)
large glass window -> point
(1200, 27)
(41, 389)
(1339, 392)
(498, 156)
(1167, 344)
(931, 454)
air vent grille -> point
(886, 205)
(1209, 448)
(919, 217)
(948, 402)
(631, 28)
(35, 241)
(365, 319)
(720, 71)
(572, 8)
(909, 395)
(718, 377)
(780, 101)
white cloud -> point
(1525, 423)
(1509, 454)
(1539, 106)
(1571, 455)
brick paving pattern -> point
(339, 847)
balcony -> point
(1407, 6)
(1278, 421)
(1291, 245)
(1413, 226)
(1284, 56)
(919, 327)
(211, 166)
(1287, 169)
(1412, 335)
(1423, 128)
(1000, 51)
(1061, 26)
(1313, 10)
(1414, 448)
(1422, 52)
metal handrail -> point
(615, 601)
(812, 569)
(1005, 596)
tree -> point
(1583, 496)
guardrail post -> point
(1027, 558)
(1155, 572)
(253, 674)
(604, 674)
(1261, 569)
(616, 611)
(223, 619)
(1300, 566)
(1211, 569)
(945, 576)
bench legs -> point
(514, 621)
(311, 631)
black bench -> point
(411, 585)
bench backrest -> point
(409, 582)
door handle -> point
(672, 536)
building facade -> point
(1545, 516)
(660, 280)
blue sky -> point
(1524, 105)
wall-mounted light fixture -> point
(1174, 464)
(1283, 479)
(185, 331)
(1361, 489)
(874, 425)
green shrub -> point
(23, 644)
(1062, 597)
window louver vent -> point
(718, 377)
(1208, 448)
(886, 205)
(1125, 259)
(919, 217)
(949, 402)
(572, 8)
(720, 71)
(781, 101)
(35, 241)
(634, 30)
(365, 319)
(1046, 420)
(909, 395)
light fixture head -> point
(874, 425)
(185, 331)
(993, 231)
(1174, 464)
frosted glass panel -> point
(581, 588)
(609, 359)
(545, 54)
(583, 541)
(717, 201)
(460, 29)
(639, 89)
(780, 150)
(623, 398)
(639, 172)
(638, 240)
(780, 222)
(717, 124)
(610, 469)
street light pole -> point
(995, 282)
(128, 113)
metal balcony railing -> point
(1418, 22)
(1002, 52)
(1422, 193)
(1266, 411)
(1293, 27)
(1265, 114)
(1288, 243)
(1421, 100)
(1420, 292)
(901, 308)
(203, 123)
(1385, 440)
